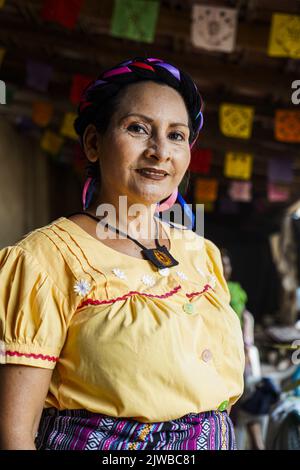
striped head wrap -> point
(111, 81)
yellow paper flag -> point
(236, 120)
(284, 37)
(67, 128)
(206, 190)
(2, 54)
(238, 165)
(42, 112)
(2, 3)
(51, 142)
(287, 125)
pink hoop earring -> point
(168, 203)
(85, 190)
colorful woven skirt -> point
(84, 430)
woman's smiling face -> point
(149, 130)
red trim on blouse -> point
(205, 289)
(34, 356)
(131, 293)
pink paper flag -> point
(278, 192)
(240, 191)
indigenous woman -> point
(116, 327)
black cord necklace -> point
(160, 256)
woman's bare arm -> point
(23, 390)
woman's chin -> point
(149, 198)
(153, 200)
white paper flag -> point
(214, 28)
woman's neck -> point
(136, 220)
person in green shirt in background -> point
(238, 302)
(238, 295)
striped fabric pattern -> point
(84, 430)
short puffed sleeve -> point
(215, 265)
(33, 311)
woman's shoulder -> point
(39, 242)
(39, 248)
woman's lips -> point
(151, 174)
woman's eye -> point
(136, 128)
(176, 134)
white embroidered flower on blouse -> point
(182, 275)
(82, 287)
(119, 273)
(164, 271)
(201, 272)
(148, 280)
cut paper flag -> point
(236, 120)
(228, 206)
(38, 75)
(284, 40)
(2, 2)
(79, 83)
(280, 170)
(67, 128)
(200, 161)
(240, 191)
(287, 126)
(214, 28)
(42, 113)
(135, 19)
(206, 190)
(238, 165)
(63, 12)
(2, 55)
(51, 142)
(278, 192)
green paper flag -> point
(135, 19)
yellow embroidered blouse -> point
(123, 338)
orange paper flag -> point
(42, 112)
(206, 190)
(287, 125)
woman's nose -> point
(160, 149)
